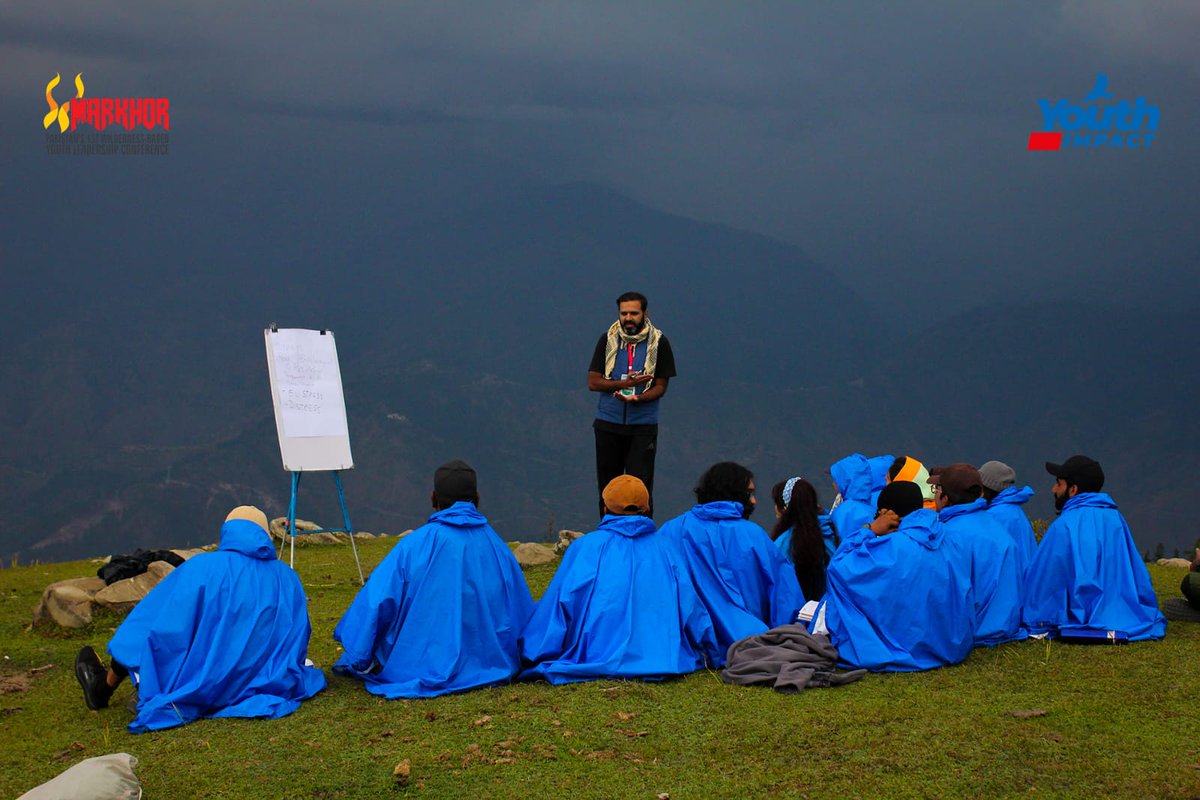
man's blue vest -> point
(610, 409)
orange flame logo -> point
(61, 113)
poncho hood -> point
(631, 526)
(460, 515)
(950, 512)
(246, 537)
(923, 527)
(1014, 496)
(721, 509)
(879, 470)
(1090, 500)
(853, 477)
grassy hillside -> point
(1118, 722)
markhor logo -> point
(127, 126)
(1092, 123)
(100, 112)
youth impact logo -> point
(98, 114)
(1092, 123)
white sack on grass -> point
(107, 777)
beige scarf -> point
(618, 338)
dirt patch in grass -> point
(15, 682)
(18, 682)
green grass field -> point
(1117, 722)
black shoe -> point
(93, 678)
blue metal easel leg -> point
(291, 528)
(337, 479)
(291, 522)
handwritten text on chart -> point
(309, 384)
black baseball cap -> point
(454, 481)
(1079, 470)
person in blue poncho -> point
(1086, 578)
(444, 610)
(223, 635)
(858, 480)
(897, 601)
(619, 606)
(746, 584)
(986, 549)
(803, 533)
(1004, 501)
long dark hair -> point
(807, 548)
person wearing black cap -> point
(619, 605)
(990, 553)
(1087, 579)
(898, 601)
(630, 369)
(444, 609)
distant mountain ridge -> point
(143, 417)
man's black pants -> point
(629, 453)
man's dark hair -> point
(629, 297)
(725, 481)
(989, 494)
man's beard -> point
(632, 328)
(747, 509)
(1060, 500)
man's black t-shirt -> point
(666, 359)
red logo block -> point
(1045, 140)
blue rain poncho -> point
(784, 542)
(223, 635)
(1006, 509)
(997, 581)
(442, 612)
(1087, 576)
(745, 583)
(855, 477)
(899, 603)
(618, 607)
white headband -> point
(787, 490)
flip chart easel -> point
(310, 417)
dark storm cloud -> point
(886, 139)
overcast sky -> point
(885, 139)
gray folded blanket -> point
(788, 659)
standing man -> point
(630, 369)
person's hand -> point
(636, 380)
(885, 522)
(630, 398)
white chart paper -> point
(309, 384)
